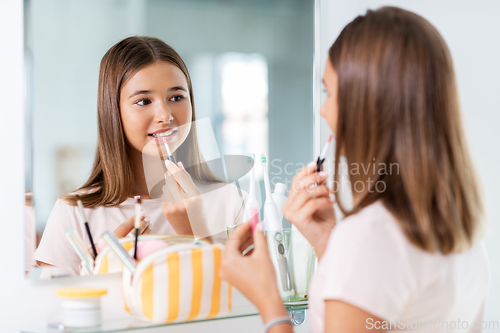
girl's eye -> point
(144, 101)
(176, 98)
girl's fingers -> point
(259, 240)
(147, 231)
(307, 169)
(313, 206)
(305, 195)
(143, 227)
(308, 180)
(183, 179)
(246, 243)
(171, 190)
(236, 238)
(184, 170)
(123, 229)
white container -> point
(81, 306)
(279, 197)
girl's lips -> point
(164, 138)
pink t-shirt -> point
(369, 263)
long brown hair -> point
(111, 180)
(399, 118)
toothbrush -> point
(252, 204)
(77, 244)
(272, 221)
(137, 222)
(275, 239)
(82, 213)
(321, 157)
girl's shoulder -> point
(373, 218)
(374, 231)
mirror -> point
(251, 65)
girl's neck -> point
(140, 186)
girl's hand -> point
(309, 207)
(253, 275)
(126, 227)
(181, 201)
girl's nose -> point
(163, 113)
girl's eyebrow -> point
(178, 88)
(140, 92)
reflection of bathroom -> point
(241, 84)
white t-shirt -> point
(369, 263)
(223, 207)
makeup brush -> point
(77, 244)
(115, 245)
(137, 223)
(321, 157)
(82, 213)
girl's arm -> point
(253, 274)
(343, 317)
(310, 208)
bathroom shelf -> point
(120, 325)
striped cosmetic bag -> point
(107, 261)
(178, 283)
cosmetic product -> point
(321, 157)
(170, 156)
(252, 200)
(275, 239)
(137, 222)
(84, 218)
(84, 255)
(121, 253)
(81, 306)
(279, 197)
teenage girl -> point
(407, 255)
(144, 91)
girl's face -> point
(154, 102)
(330, 108)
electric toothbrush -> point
(275, 239)
(251, 204)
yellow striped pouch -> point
(178, 283)
(107, 261)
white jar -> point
(81, 306)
